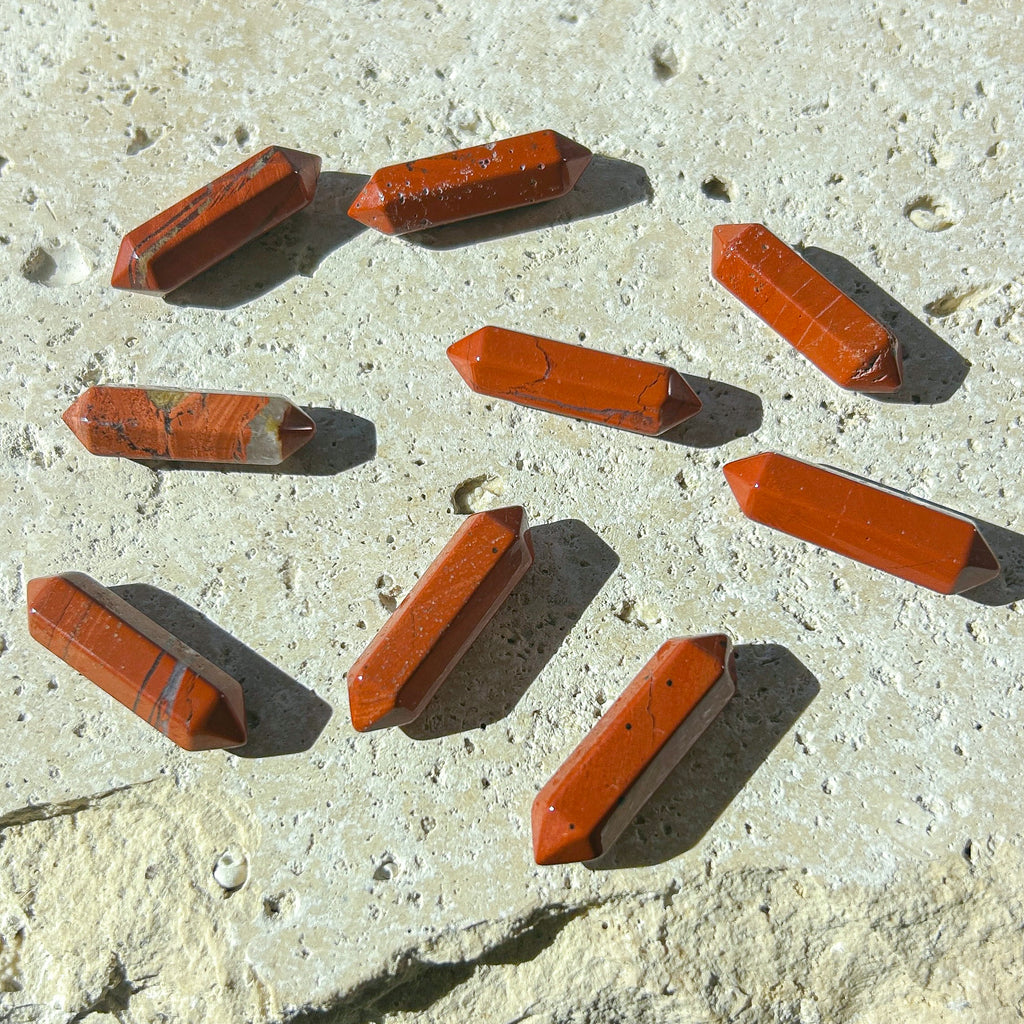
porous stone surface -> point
(843, 844)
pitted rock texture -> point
(875, 740)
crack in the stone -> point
(43, 812)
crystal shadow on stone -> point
(932, 369)
(773, 689)
(295, 248)
(342, 441)
(727, 412)
(283, 717)
(571, 565)
(605, 186)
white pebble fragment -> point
(231, 870)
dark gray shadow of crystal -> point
(342, 441)
(295, 248)
(773, 689)
(283, 717)
(727, 412)
(571, 565)
(605, 186)
(932, 370)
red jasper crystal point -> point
(167, 684)
(442, 615)
(470, 182)
(847, 344)
(918, 542)
(188, 426)
(574, 381)
(193, 234)
(629, 753)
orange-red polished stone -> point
(812, 314)
(137, 662)
(574, 381)
(442, 615)
(630, 752)
(879, 527)
(189, 426)
(470, 182)
(193, 234)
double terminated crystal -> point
(193, 234)
(812, 314)
(191, 426)
(139, 663)
(470, 182)
(918, 542)
(574, 381)
(442, 615)
(630, 752)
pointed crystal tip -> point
(224, 726)
(981, 565)
(575, 157)
(723, 235)
(34, 588)
(124, 266)
(72, 415)
(715, 645)
(306, 166)
(558, 841)
(883, 374)
(744, 476)
(369, 208)
(511, 517)
(682, 403)
(465, 352)
(296, 430)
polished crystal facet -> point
(442, 615)
(629, 753)
(470, 182)
(901, 535)
(137, 662)
(574, 381)
(193, 234)
(847, 344)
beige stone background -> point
(844, 842)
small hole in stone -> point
(629, 725)
(716, 188)
(668, 682)
(664, 62)
(571, 825)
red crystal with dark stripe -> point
(140, 664)
(190, 236)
